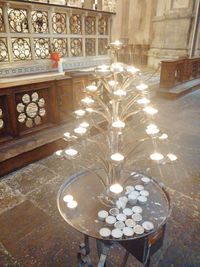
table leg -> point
(102, 250)
(83, 254)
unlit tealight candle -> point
(137, 209)
(139, 187)
(104, 232)
(148, 226)
(110, 220)
(138, 229)
(116, 233)
(142, 199)
(132, 197)
(121, 217)
(127, 212)
(137, 217)
(102, 215)
(145, 180)
(114, 211)
(144, 193)
(119, 225)
(130, 223)
(127, 231)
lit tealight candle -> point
(156, 156)
(117, 157)
(138, 229)
(105, 232)
(148, 226)
(84, 124)
(102, 215)
(137, 209)
(90, 110)
(91, 88)
(72, 204)
(163, 136)
(110, 220)
(132, 69)
(71, 152)
(172, 157)
(67, 135)
(118, 124)
(112, 83)
(120, 93)
(116, 188)
(116, 233)
(143, 101)
(87, 100)
(80, 130)
(127, 231)
(142, 87)
(152, 129)
(68, 198)
(117, 67)
(80, 112)
(59, 153)
(150, 110)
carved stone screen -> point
(32, 32)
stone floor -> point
(33, 234)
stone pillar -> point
(172, 27)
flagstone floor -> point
(33, 234)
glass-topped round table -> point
(87, 189)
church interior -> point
(99, 133)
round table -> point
(86, 189)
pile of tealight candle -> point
(125, 219)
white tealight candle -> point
(130, 188)
(80, 130)
(119, 93)
(156, 156)
(144, 193)
(148, 226)
(71, 152)
(132, 69)
(114, 211)
(172, 157)
(110, 220)
(116, 188)
(102, 215)
(142, 199)
(138, 229)
(127, 231)
(67, 135)
(68, 198)
(59, 153)
(105, 232)
(80, 112)
(117, 233)
(118, 124)
(142, 87)
(130, 223)
(128, 212)
(117, 67)
(121, 217)
(112, 83)
(146, 180)
(91, 88)
(137, 209)
(132, 197)
(84, 124)
(117, 157)
(143, 101)
(150, 110)
(152, 129)
(72, 204)
(137, 217)
(139, 187)
(163, 136)
(119, 225)
(87, 100)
